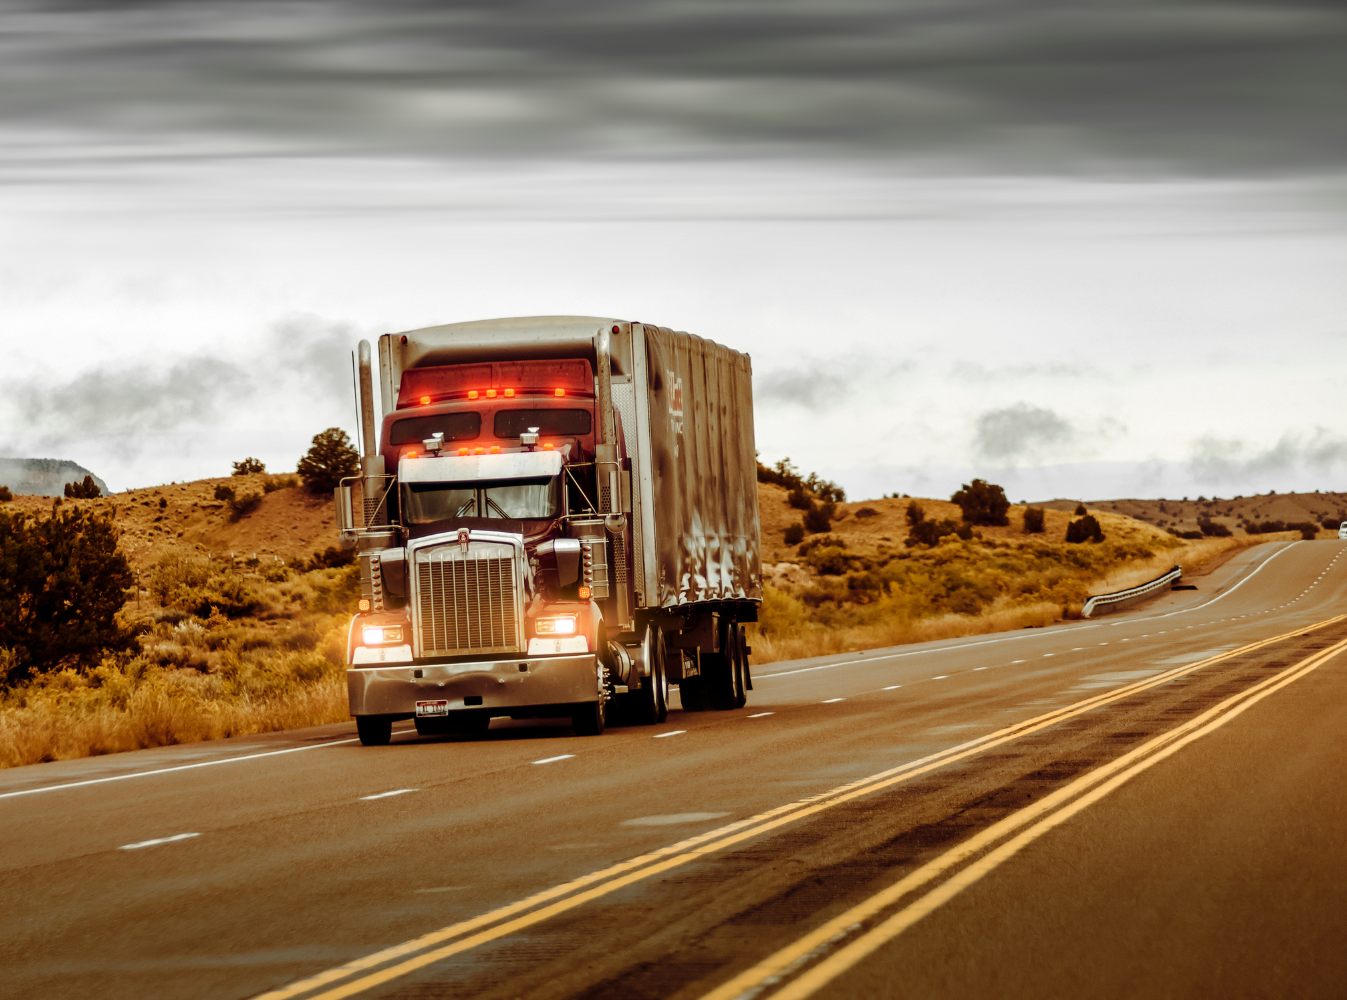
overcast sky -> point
(1084, 249)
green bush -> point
(819, 517)
(931, 532)
(5, 494)
(866, 512)
(794, 534)
(1033, 520)
(915, 513)
(1080, 510)
(241, 507)
(1329, 523)
(273, 483)
(1086, 529)
(982, 503)
(87, 490)
(249, 467)
(62, 581)
(330, 460)
(223, 492)
(1213, 529)
(798, 499)
(333, 558)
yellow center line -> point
(659, 861)
(1108, 778)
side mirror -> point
(561, 556)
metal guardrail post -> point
(1133, 593)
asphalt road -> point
(1146, 805)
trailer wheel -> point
(649, 704)
(588, 718)
(740, 665)
(374, 730)
(692, 694)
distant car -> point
(1342, 531)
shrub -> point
(982, 503)
(241, 507)
(1265, 527)
(867, 512)
(794, 534)
(5, 495)
(781, 474)
(249, 467)
(1329, 523)
(163, 504)
(1033, 520)
(915, 513)
(819, 517)
(1307, 529)
(825, 489)
(87, 490)
(62, 581)
(223, 492)
(1212, 529)
(273, 483)
(828, 540)
(797, 499)
(1086, 529)
(333, 558)
(330, 459)
(931, 532)
(1191, 535)
(1080, 510)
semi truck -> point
(555, 517)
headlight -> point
(555, 626)
(376, 635)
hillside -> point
(43, 476)
(1182, 515)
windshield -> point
(518, 499)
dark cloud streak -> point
(1186, 87)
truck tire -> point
(588, 718)
(692, 694)
(374, 730)
(740, 665)
(649, 704)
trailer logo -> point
(463, 538)
(676, 407)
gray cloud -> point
(1210, 87)
(129, 402)
(825, 383)
(1225, 460)
(1018, 432)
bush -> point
(163, 504)
(249, 467)
(1329, 523)
(223, 492)
(915, 513)
(1212, 529)
(797, 499)
(781, 474)
(1086, 529)
(931, 532)
(5, 495)
(273, 483)
(826, 540)
(794, 534)
(1308, 529)
(86, 490)
(819, 517)
(1265, 527)
(62, 581)
(866, 512)
(1080, 510)
(333, 558)
(241, 507)
(1191, 535)
(982, 503)
(329, 460)
(1033, 520)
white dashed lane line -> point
(893, 687)
(676, 732)
(553, 760)
(388, 795)
(157, 841)
(829, 701)
(761, 715)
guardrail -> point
(1113, 602)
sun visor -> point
(475, 468)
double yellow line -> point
(401, 960)
(1039, 819)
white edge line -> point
(1018, 635)
(157, 841)
(168, 770)
(761, 714)
(553, 760)
(660, 736)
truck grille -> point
(467, 604)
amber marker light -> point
(561, 392)
(479, 451)
(491, 394)
(364, 604)
(425, 400)
(472, 393)
(584, 593)
(495, 449)
(547, 447)
(509, 393)
(463, 451)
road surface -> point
(1146, 805)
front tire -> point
(650, 703)
(374, 730)
(588, 718)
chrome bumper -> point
(522, 682)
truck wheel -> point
(588, 718)
(718, 680)
(374, 730)
(650, 702)
(692, 693)
(740, 666)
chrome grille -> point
(467, 603)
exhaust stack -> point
(371, 462)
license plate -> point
(424, 708)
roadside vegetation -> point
(203, 648)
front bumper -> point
(518, 683)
